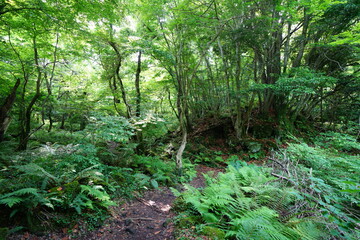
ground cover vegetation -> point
(103, 100)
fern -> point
(261, 223)
(95, 192)
(11, 201)
(31, 196)
(90, 197)
(33, 169)
(21, 192)
(309, 230)
(240, 201)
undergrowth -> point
(66, 176)
(307, 192)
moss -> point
(213, 233)
(3, 233)
(188, 222)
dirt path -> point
(148, 217)
(144, 218)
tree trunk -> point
(303, 41)
(26, 121)
(179, 164)
(137, 86)
(63, 118)
(6, 108)
(117, 75)
(273, 65)
(238, 123)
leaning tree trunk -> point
(5, 110)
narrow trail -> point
(149, 217)
(143, 218)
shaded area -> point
(147, 217)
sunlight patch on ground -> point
(161, 207)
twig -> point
(285, 178)
(140, 218)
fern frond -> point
(11, 201)
(309, 230)
(95, 192)
(21, 192)
(87, 173)
(33, 169)
(261, 223)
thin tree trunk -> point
(117, 75)
(137, 86)
(287, 48)
(49, 84)
(238, 124)
(179, 164)
(63, 118)
(303, 41)
(25, 133)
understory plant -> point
(326, 177)
(55, 183)
(246, 202)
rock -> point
(128, 222)
(130, 230)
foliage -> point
(302, 81)
(151, 127)
(62, 179)
(109, 128)
(55, 183)
(74, 179)
(327, 180)
(61, 137)
(245, 204)
(338, 141)
(74, 107)
(154, 171)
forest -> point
(180, 119)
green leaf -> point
(11, 201)
(154, 183)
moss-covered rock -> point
(213, 232)
(187, 222)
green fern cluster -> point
(245, 203)
(55, 183)
(330, 181)
(153, 170)
(83, 190)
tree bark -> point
(117, 75)
(303, 41)
(6, 108)
(137, 86)
(26, 121)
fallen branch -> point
(285, 178)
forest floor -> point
(147, 217)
